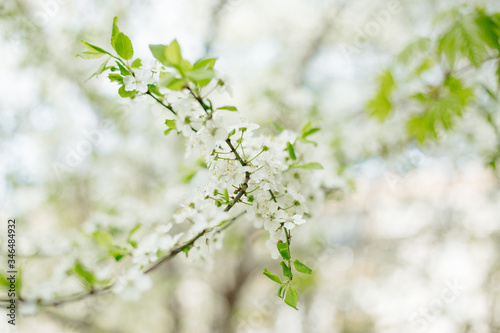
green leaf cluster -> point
(286, 291)
(468, 38)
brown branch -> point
(177, 250)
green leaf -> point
(277, 126)
(85, 276)
(136, 63)
(442, 106)
(488, 29)
(90, 55)
(380, 106)
(201, 75)
(419, 127)
(291, 151)
(176, 84)
(311, 166)
(123, 70)
(115, 78)
(165, 79)
(103, 238)
(207, 63)
(282, 290)
(173, 53)
(425, 65)
(153, 88)
(287, 271)
(118, 253)
(498, 72)
(93, 48)
(114, 31)
(158, 51)
(131, 233)
(415, 48)
(310, 132)
(271, 276)
(228, 108)
(4, 282)
(124, 93)
(171, 125)
(123, 46)
(463, 38)
(291, 297)
(100, 70)
(300, 267)
(283, 249)
(186, 249)
(185, 66)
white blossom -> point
(139, 81)
(132, 284)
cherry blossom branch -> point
(233, 150)
(244, 186)
(82, 295)
(240, 193)
(166, 106)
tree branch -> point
(82, 295)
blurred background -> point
(407, 240)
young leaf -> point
(300, 267)
(310, 132)
(463, 38)
(103, 238)
(171, 125)
(176, 84)
(311, 166)
(84, 275)
(123, 70)
(124, 93)
(286, 270)
(380, 105)
(136, 63)
(123, 46)
(489, 29)
(131, 233)
(199, 75)
(419, 127)
(100, 70)
(158, 51)
(228, 108)
(185, 66)
(117, 253)
(173, 53)
(93, 48)
(283, 249)
(115, 78)
(277, 126)
(498, 72)
(415, 48)
(208, 63)
(271, 276)
(291, 297)
(281, 290)
(90, 55)
(291, 151)
(114, 31)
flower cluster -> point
(260, 174)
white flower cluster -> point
(259, 174)
(257, 171)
